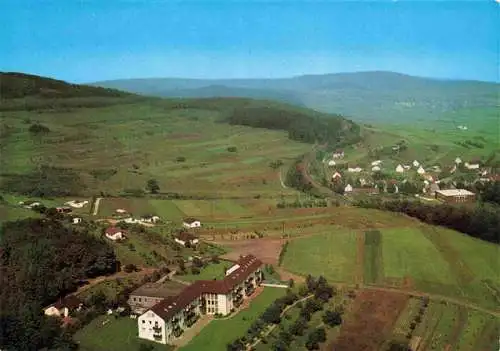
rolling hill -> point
(364, 96)
(82, 140)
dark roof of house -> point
(70, 301)
(190, 220)
(170, 306)
(185, 236)
(339, 151)
(162, 290)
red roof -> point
(70, 301)
(170, 306)
(113, 230)
(185, 236)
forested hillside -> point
(40, 260)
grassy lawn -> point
(211, 271)
(118, 334)
(407, 252)
(332, 255)
(216, 335)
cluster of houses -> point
(165, 313)
(429, 177)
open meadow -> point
(216, 335)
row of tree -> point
(481, 221)
(301, 126)
(40, 261)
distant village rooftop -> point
(455, 192)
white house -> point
(191, 223)
(331, 163)
(64, 307)
(471, 165)
(131, 220)
(114, 233)
(458, 161)
(406, 167)
(421, 170)
(400, 169)
(185, 238)
(150, 219)
(376, 169)
(77, 220)
(120, 211)
(356, 169)
(376, 163)
(167, 320)
(29, 204)
(76, 203)
(338, 154)
(416, 163)
(348, 188)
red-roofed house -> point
(168, 319)
(64, 306)
(114, 233)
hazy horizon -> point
(98, 41)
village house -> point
(348, 188)
(471, 165)
(338, 154)
(114, 233)
(421, 170)
(400, 169)
(191, 223)
(77, 220)
(433, 188)
(30, 204)
(458, 161)
(131, 220)
(186, 239)
(375, 169)
(149, 294)
(64, 209)
(455, 195)
(64, 307)
(416, 163)
(150, 218)
(120, 211)
(331, 163)
(76, 203)
(167, 320)
(356, 169)
(336, 176)
(376, 163)
(406, 167)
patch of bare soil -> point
(265, 249)
(373, 316)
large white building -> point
(166, 321)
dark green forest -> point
(40, 261)
(333, 130)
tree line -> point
(303, 127)
(481, 221)
(40, 261)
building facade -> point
(167, 320)
(455, 195)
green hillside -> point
(365, 96)
(194, 146)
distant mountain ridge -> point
(372, 96)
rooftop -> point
(190, 220)
(455, 192)
(164, 290)
(70, 301)
(172, 305)
(185, 236)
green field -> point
(373, 265)
(332, 255)
(117, 335)
(457, 265)
(209, 272)
(216, 335)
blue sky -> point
(99, 40)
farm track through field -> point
(457, 328)
(360, 258)
(96, 206)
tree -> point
(332, 318)
(195, 270)
(314, 338)
(129, 268)
(152, 186)
(298, 327)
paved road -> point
(96, 205)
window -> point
(143, 321)
(135, 299)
